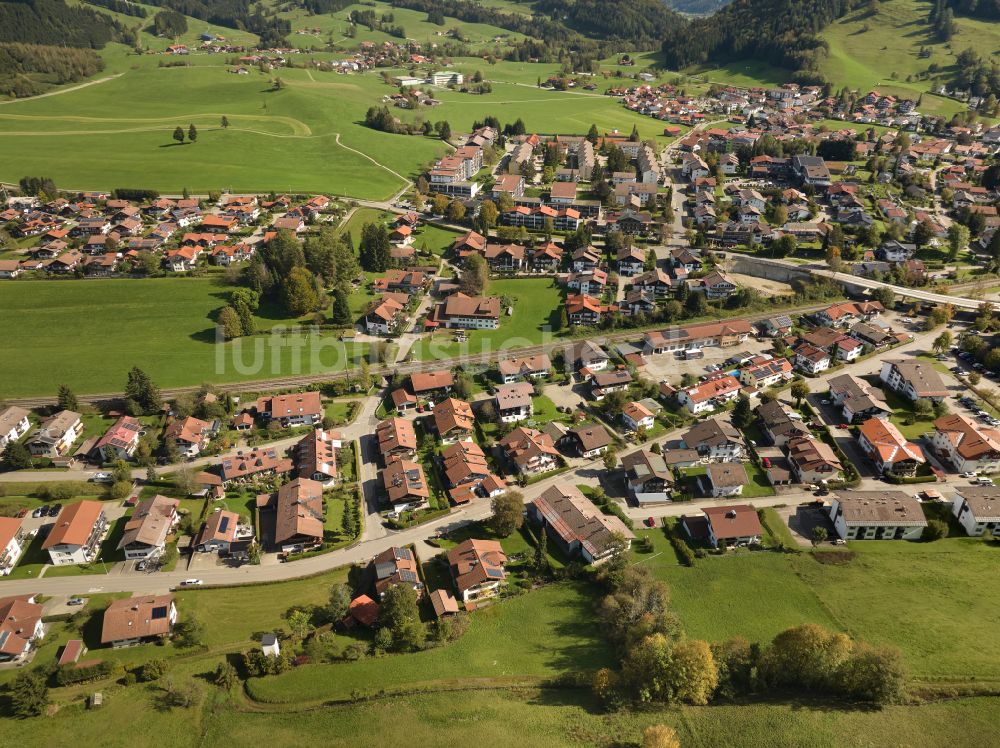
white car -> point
(103, 478)
(192, 583)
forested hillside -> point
(28, 69)
(697, 7)
(781, 32)
(53, 22)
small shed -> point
(269, 645)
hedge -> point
(67, 676)
(684, 552)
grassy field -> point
(883, 51)
(541, 634)
(943, 591)
(333, 27)
(301, 136)
(162, 325)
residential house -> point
(505, 258)
(461, 311)
(298, 514)
(76, 536)
(14, 424)
(637, 416)
(811, 360)
(20, 627)
(513, 402)
(405, 484)
(715, 440)
(146, 531)
(261, 461)
(477, 566)
(577, 526)
(857, 399)
(891, 452)
(13, 541)
(583, 310)
(190, 435)
(588, 441)
(913, 379)
(780, 423)
(977, 508)
(603, 383)
(877, 515)
(710, 394)
(56, 435)
(218, 533)
(967, 446)
(647, 477)
(296, 409)
(812, 460)
(530, 451)
(467, 474)
(631, 260)
(432, 384)
(120, 441)
(454, 420)
(396, 438)
(724, 479)
(316, 456)
(715, 285)
(848, 349)
(729, 526)
(767, 373)
(530, 367)
(396, 566)
(385, 315)
(586, 357)
(134, 620)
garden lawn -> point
(536, 314)
(758, 484)
(541, 634)
(164, 325)
(751, 594)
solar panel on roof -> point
(494, 573)
(159, 612)
(407, 576)
(224, 524)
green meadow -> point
(87, 334)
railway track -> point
(389, 370)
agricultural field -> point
(333, 28)
(164, 325)
(305, 137)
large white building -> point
(877, 515)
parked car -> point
(103, 478)
(827, 402)
(54, 510)
(76, 601)
(22, 513)
(767, 462)
(192, 583)
(650, 522)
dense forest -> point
(642, 22)
(28, 69)
(988, 9)
(781, 32)
(54, 22)
(121, 6)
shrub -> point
(684, 552)
(935, 530)
(153, 670)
